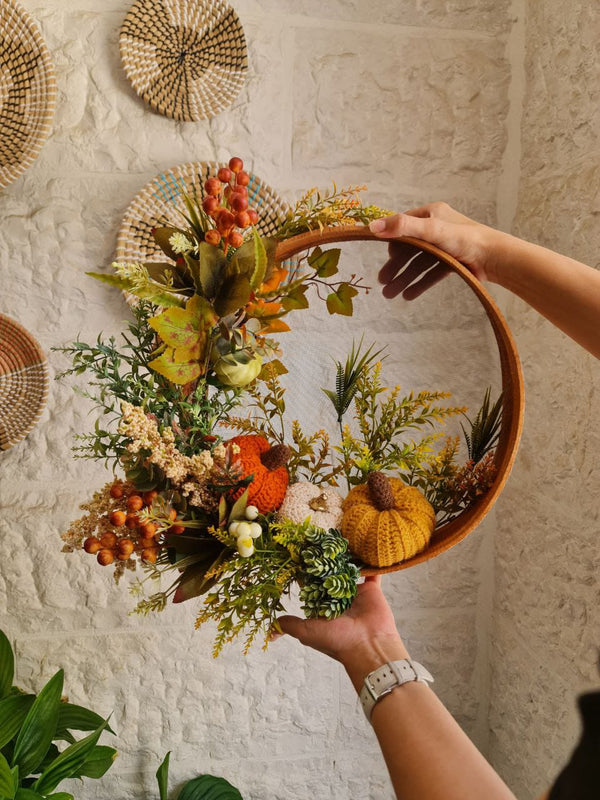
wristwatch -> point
(386, 678)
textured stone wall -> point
(410, 97)
(547, 603)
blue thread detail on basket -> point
(254, 186)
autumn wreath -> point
(212, 484)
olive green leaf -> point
(325, 262)
(176, 371)
(60, 796)
(211, 269)
(260, 261)
(296, 298)
(162, 238)
(209, 787)
(7, 665)
(185, 332)
(233, 294)
(239, 507)
(340, 301)
(39, 726)
(162, 776)
(68, 763)
(150, 291)
(183, 327)
(193, 581)
(165, 271)
(13, 710)
(271, 369)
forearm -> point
(563, 290)
(426, 752)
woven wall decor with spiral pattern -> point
(186, 58)
(160, 203)
(27, 91)
(23, 382)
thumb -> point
(293, 626)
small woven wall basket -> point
(186, 58)
(23, 382)
(513, 399)
(27, 91)
(160, 202)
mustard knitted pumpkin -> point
(385, 521)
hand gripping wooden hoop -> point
(513, 398)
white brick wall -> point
(413, 98)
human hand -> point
(411, 271)
(362, 639)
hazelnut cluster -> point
(131, 534)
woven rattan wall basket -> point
(23, 382)
(27, 91)
(454, 531)
(186, 58)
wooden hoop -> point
(513, 401)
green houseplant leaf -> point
(162, 776)
(99, 761)
(27, 794)
(7, 665)
(13, 710)
(209, 787)
(77, 718)
(39, 726)
(7, 779)
(69, 763)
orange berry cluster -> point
(133, 536)
(226, 202)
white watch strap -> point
(386, 678)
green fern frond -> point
(348, 375)
(484, 430)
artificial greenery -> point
(348, 375)
(484, 429)
(120, 371)
(449, 487)
(248, 592)
(383, 418)
(317, 210)
(31, 729)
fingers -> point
(399, 225)
(435, 275)
(406, 283)
(397, 277)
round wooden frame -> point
(513, 397)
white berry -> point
(251, 512)
(255, 530)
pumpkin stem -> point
(380, 490)
(276, 456)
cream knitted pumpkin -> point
(322, 504)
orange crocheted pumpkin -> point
(267, 465)
(385, 521)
